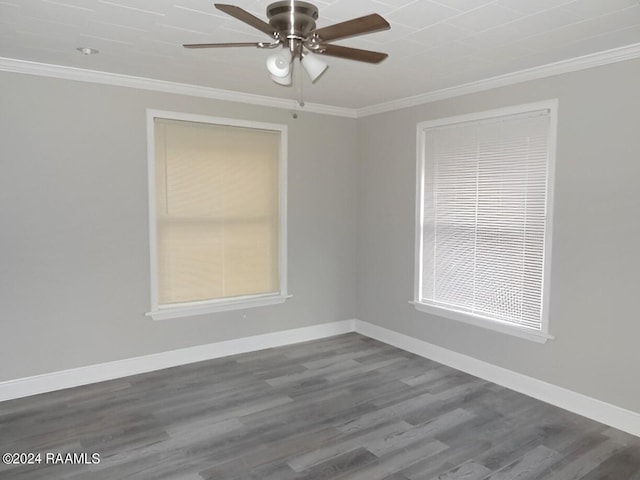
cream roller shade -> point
(217, 211)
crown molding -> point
(120, 80)
(606, 57)
(566, 66)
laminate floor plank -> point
(580, 463)
(448, 461)
(529, 466)
(467, 471)
(343, 408)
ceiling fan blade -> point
(349, 53)
(350, 28)
(246, 17)
(222, 45)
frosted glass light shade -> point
(279, 66)
(286, 81)
(313, 66)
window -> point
(483, 218)
(217, 214)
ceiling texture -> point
(432, 44)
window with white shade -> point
(217, 203)
(483, 218)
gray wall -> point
(595, 271)
(74, 262)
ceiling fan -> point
(292, 25)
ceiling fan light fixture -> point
(313, 66)
(279, 64)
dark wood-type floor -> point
(343, 408)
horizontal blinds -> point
(217, 211)
(484, 214)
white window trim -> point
(542, 335)
(187, 309)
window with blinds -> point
(217, 214)
(483, 216)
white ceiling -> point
(433, 44)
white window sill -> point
(214, 306)
(483, 322)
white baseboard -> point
(592, 408)
(49, 382)
(589, 407)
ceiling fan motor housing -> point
(295, 18)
